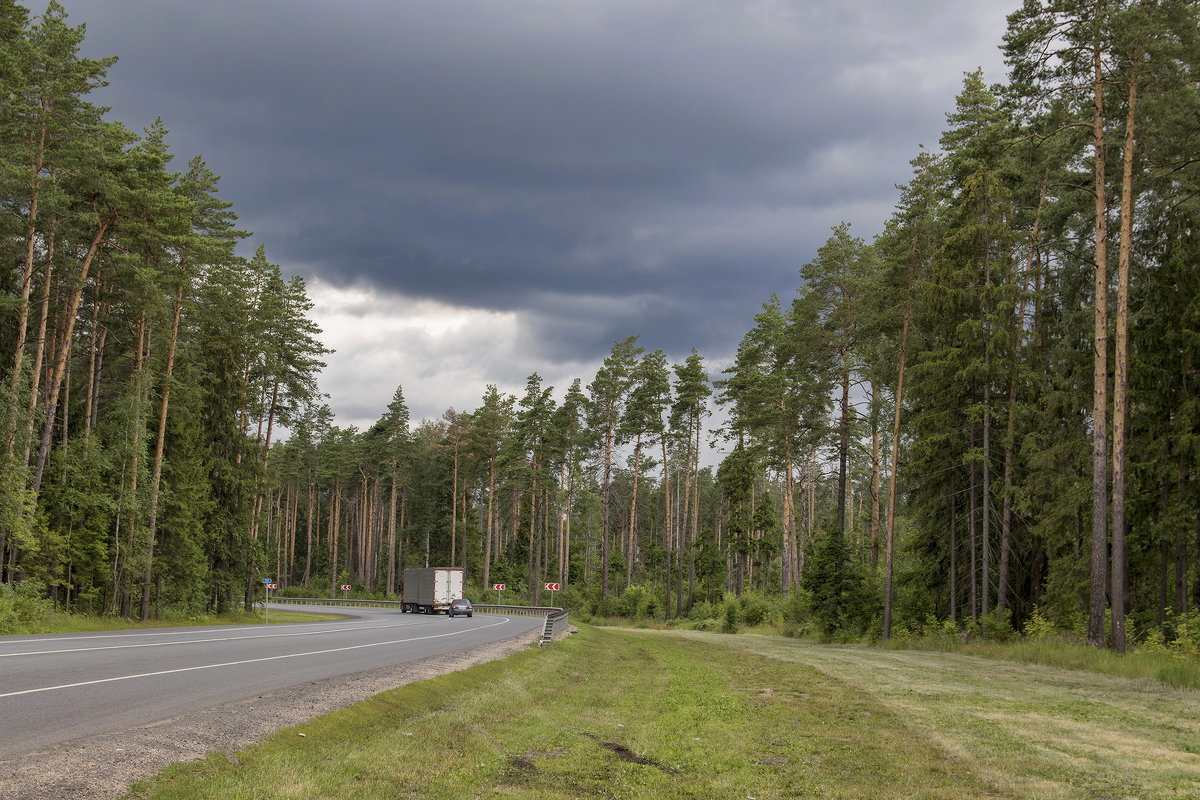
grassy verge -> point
(1175, 667)
(1180, 670)
(623, 714)
(56, 622)
(1029, 730)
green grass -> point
(1179, 669)
(1031, 730)
(613, 713)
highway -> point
(59, 687)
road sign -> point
(552, 587)
(268, 580)
(272, 585)
(498, 587)
(345, 587)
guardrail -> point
(333, 601)
(556, 618)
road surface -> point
(59, 687)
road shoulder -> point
(102, 767)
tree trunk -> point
(633, 508)
(135, 445)
(843, 445)
(313, 511)
(953, 561)
(787, 556)
(1099, 556)
(391, 548)
(986, 519)
(873, 531)
(335, 510)
(38, 165)
(465, 527)
(489, 527)
(39, 355)
(1010, 438)
(64, 351)
(971, 533)
(159, 444)
(1121, 378)
(668, 522)
(890, 530)
(606, 489)
(1181, 566)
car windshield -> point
(461, 603)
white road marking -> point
(130, 635)
(210, 639)
(247, 661)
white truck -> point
(429, 590)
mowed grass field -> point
(612, 713)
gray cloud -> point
(600, 168)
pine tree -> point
(835, 296)
(692, 391)
(607, 396)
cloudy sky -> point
(476, 190)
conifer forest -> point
(986, 414)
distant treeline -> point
(987, 411)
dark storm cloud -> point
(605, 168)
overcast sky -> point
(476, 190)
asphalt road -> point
(58, 687)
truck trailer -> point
(429, 590)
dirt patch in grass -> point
(625, 754)
(521, 765)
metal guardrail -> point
(333, 601)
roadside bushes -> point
(1179, 636)
(751, 610)
(22, 608)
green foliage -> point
(1187, 632)
(834, 580)
(731, 618)
(638, 602)
(980, 285)
(755, 610)
(1038, 627)
(22, 607)
(1180, 636)
(996, 625)
(702, 611)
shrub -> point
(1155, 643)
(997, 624)
(1038, 627)
(702, 611)
(9, 621)
(607, 606)
(1187, 632)
(840, 600)
(730, 618)
(633, 602)
(754, 609)
(22, 609)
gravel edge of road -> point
(102, 767)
